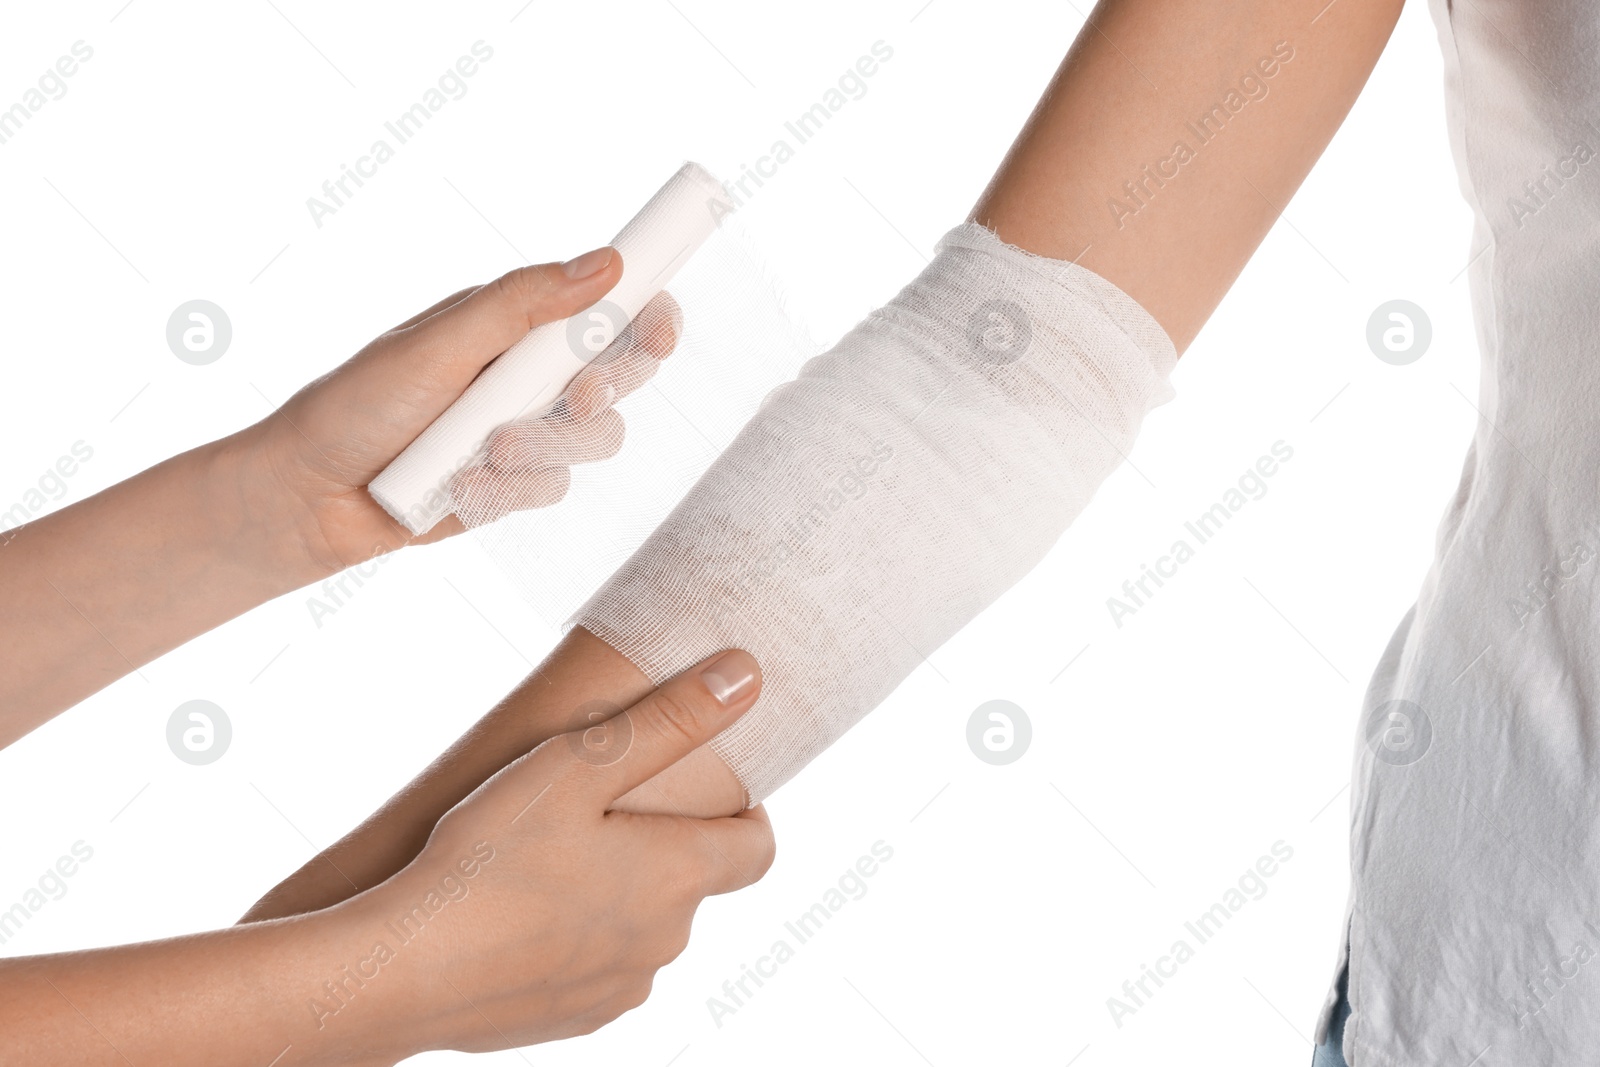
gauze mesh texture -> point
(897, 487)
(561, 500)
(531, 375)
(528, 462)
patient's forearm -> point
(581, 675)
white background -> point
(1168, 757)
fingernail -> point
(588, 263)
(730, 676)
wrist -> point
(260, 510)
(357, 991)
(405, 943)
(255, 516)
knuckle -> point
(510, 446)
(764, 859)
(609, 432)
(593, 1021)
(662, 339)
(674, 717)
(668, 326)
(554, 485)
(523, 288)
(637, 994)
(585, 393)
(512, 286)
(631, 375)
(674, 946)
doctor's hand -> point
(534, 912)
(318, 452)
(570, 907)
(101, 587)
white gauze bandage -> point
(877, 503)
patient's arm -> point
(1135, 76)
(582, 674)
(1145, 74)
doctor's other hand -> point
(554, 911)
(314, 456)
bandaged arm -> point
(1000, 452)
(891, 492)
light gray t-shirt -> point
(1474, 910)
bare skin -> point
(98, 589)
(92, 592)
(580, 673)
(516, 949)
(531, 912)
(1143, 77)
(1120, 101)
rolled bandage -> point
(531, 375)
(877, 503)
